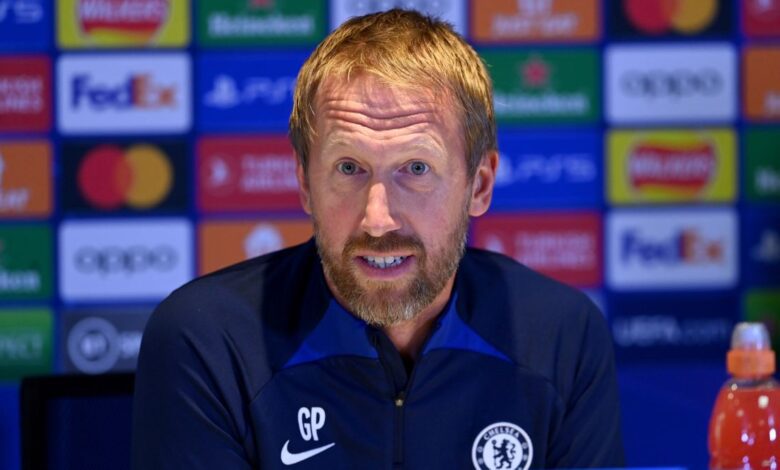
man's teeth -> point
(383, 262)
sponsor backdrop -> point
(142, 143)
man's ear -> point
(303, 185)
(482, 185)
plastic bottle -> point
(745, 422)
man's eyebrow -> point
(424, 144)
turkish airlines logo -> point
(139, 177)
(256, 173)
(761, 18)
(136, 19)
(769, 9)
(565, 247)
(687, 168)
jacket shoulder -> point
(542, 324)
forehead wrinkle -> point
(418, 141)
(374, 107)
(409, 123)
(378, 119)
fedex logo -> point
(687, 246)
(671, 249)
(124, 93)
(137, 91)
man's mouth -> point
(383, 262)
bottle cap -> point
(751, 352)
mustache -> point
(389, 242)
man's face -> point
(388, 191)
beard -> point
(386, 303)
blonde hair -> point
(406, 49)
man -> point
(380, 344)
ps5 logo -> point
(21, 11)
(226, 92)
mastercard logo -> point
(139, 177)
(663, 16)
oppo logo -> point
(133, 259)
(678, 83)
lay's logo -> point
(671, 166)
(684, 169)
(139, 19)
(122, 23)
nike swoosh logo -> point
(289, 458)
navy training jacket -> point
(257, 366)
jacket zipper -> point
(398, 451)
(399, 402)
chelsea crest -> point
(502, 446)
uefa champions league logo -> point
(502, 446)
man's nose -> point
(378, 219)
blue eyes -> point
(416, 168)
(348, 168)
